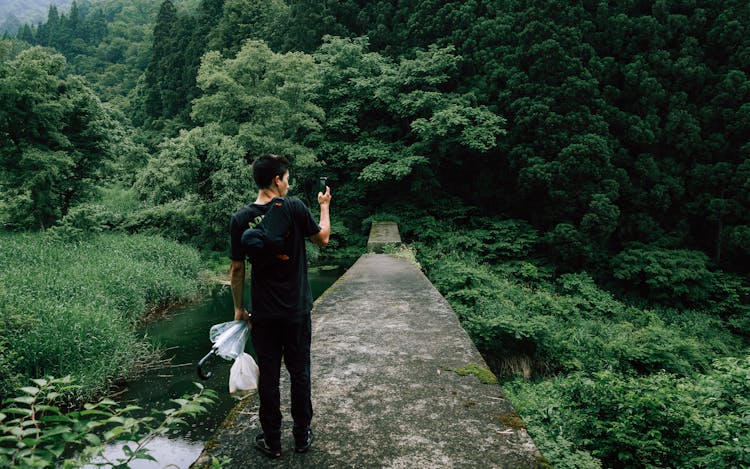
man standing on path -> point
(281, 300)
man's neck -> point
(265, 196)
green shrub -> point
(35, 432)
(659, 420)
(501, 240)
(80, 222)
(574, 325)
(671, 276)
(527, 271)
(179, 220)
(116, 198)
(548, 416)
(721, 414)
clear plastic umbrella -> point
(229, 342)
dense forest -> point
(573, 177)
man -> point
(281, 301)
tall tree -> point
(163, 73)
(262, 97)
(397, 121)
(242, 20)
(309, 22)
(56, 135)
(169, 79)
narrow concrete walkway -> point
(382, 234)
(390, 385)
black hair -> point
(266, 167)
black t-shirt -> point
(279, 288)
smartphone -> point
(323, 184)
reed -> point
(71, 307)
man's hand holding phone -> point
(324, 196)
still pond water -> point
(184, 334)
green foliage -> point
(392, 121)
(679, 277)
(572, 324)
(35, 432)
(546, 411)
(109, 43)
(169, 81)
(658, 420)
(80, 222)
(178, 220)
(625, 122)
(68, 303)
(56, 138)
(262, 98)
(402, 251)
(240, 20)
(192, 187)
(493, 240)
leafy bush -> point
(570, 325)
(35, 432)
(666, 275)
(84, 220)
(503, 239)
(192, 187)
(70, 303)
(179, 220)
(659, 420)
(548, 416)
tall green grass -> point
(71, 307)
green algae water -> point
(184, 337)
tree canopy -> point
(57, 136)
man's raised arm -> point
(321, 237)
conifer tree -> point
(25, 34)
(161, 73)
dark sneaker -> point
(263, 447)
(303, 443)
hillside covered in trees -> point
(574, 177)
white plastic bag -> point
(229, 338)
(243, 376)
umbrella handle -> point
(199, 367)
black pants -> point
(290, 338)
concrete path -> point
(382, 234)
(390, 385)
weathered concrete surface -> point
(382, 233)
(385, 343)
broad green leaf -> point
(23, 400)
(56, 418)
(41, 382)
(93, 439)
(17, 410)
(47, 408)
